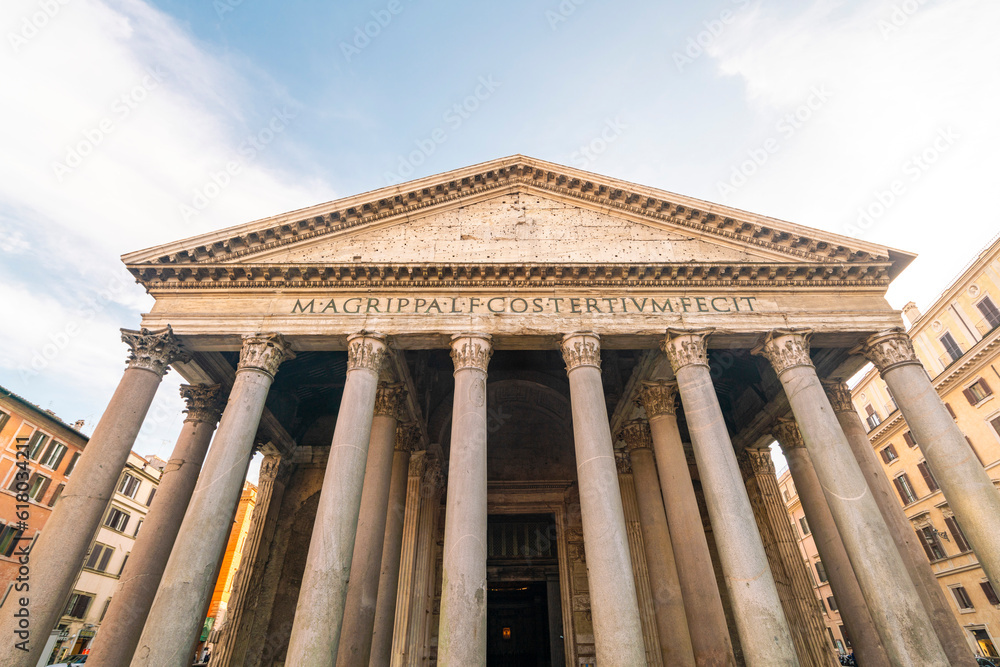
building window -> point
(4, 418)
(932, 484)
(962, 598)
(888, 453)
(152, 492)
(991, 595)
(117, 520)
(872, 419)
(72, 464)
(991, 315)
(804, 526)
(951, 347)
(35, 445)
(56, 494)
(932, 545)
(107, 603)
(122, 568)
(37, 486)
(995, 423)
(821, 572)
(977, 392)
(78, 605)
(831, 603)
(957, 534)
(908, 438)
(9, 537)
(137, 527)
(53, 455)
(99, 557)
(129, 485)
(905, 489)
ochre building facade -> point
(518, 414)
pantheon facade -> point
(516, 414)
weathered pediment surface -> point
(518, 227)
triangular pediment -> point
(521, 218)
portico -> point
(504, 411)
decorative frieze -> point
(686, 348)
(471, 350)
(154, 350)
(839, 394)
(407, 437)
(581, 349)
(658, 398)
(389, 399)
(204, 402)
(636, 435)
(888, 349)
(785, 349)
(787, 433)
(264, 352)
(366, 351)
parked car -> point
(78, 659)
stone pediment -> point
(515, 220)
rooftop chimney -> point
(911, 313)
(78, 424)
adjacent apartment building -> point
(46, 449)
(958, 341)
(817, 573)
(103, 565)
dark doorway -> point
(517, 633)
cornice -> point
(688, 274)
(415, 198)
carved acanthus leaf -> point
(583, 349)
(839, 395)
(785, 349)
(623, 463)
(658, 398)
(686, 348)
(471, 351)
(407, 437)
(888, 349)
(389, 398)
(204, 402)
(636, 435)
(367, 351)
(787, 433)
(264, 352)
(154, 350)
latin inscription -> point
(476, 305)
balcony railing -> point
(987, 324)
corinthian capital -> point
(839, 395)
(471, 350)
(204, 402)
(760, 461)
(407, 437)
(366, 350)
(264, 352)
(623, 463)
(787, 433)
(389, 398)
(888, 349)
(658, 398)
(581, 349)
(686, 348)
(153, 350)
(635, 434)
(785, 349)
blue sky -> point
(127, 124)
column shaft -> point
(60, 549)
(671, 620)
(407, 563)
(902, 623)
(237, 640)
(969, 490)
(362, 588)
(617, 629)
(931, 595)
(392, 543)
(319, 612)
(424, 573)
(763, 630)
(176, 617)
(706, 619)
(133, 596)
(462, 630)
(846, 590)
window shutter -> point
(105, 557)
(932, 484)
(969, 396)
(56, 494)
(62, 453)
(956, 533)
(908, 437)
(901, 491)
(923, 543)
(44, 488)
(991, 594)
(950, 411)
(986, 387)
(869, 409)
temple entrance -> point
(521, 559)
